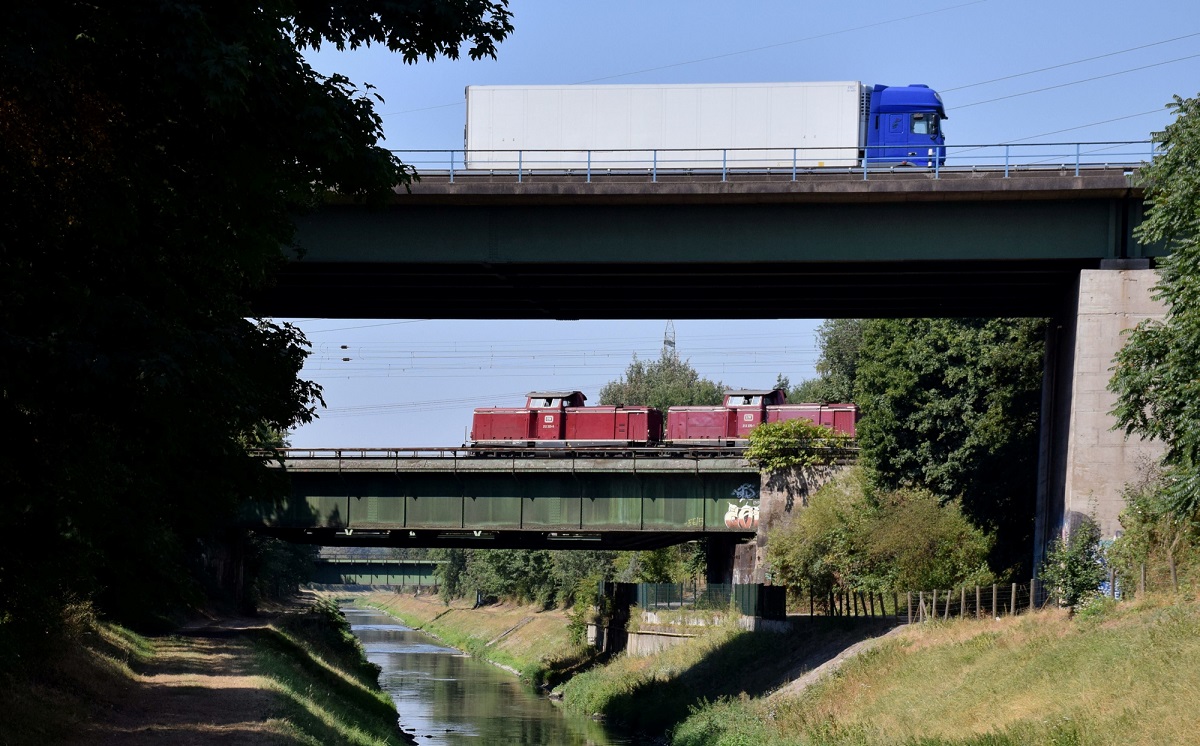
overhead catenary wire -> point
(1075, 82)
(1069, 64)
(735, 53)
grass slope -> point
(652, 693)
(330, 692)
(1115, 674)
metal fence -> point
(768, 602)
(919, 606)
(663, 164)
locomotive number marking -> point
(748, 417)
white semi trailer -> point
(703, 126)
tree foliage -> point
(952, 407)
(839, 341)
(1157, 373)
(666, 382)
(154, 157)
(546, 577)
(848, 539)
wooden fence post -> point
(1032, 593)
(1012, 606)
(978, 605)
(962, 605)
(921, 606)
(994, 614)
(1142, 583)
(909, 608)
(946, 613)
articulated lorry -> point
(708, 126)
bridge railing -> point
(724, 164)
(838, 454)
(350, 557)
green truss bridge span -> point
(461, 497)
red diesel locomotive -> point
(560, 419)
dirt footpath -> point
(198, 689)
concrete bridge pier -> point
(1083, 463)
(720, 552)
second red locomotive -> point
(560, 418)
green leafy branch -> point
(776, 446)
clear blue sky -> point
(1009, 71)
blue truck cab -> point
(904, 127)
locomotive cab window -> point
(745, 401)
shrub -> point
(1074, 569)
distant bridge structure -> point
(374, 571)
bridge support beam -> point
(1083, 463)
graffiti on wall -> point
(743, 514)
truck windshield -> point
(925, 124)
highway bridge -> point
(903, 243)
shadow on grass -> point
(749, 663)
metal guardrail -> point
(657, 164)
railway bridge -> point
(1050, 238)
(466, 498)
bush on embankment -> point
(1114, 674)
(530, 641)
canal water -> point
(446, 697)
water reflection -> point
(445, 697)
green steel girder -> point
(689, 234)
(492, 539)
(992, 254)
(529, 501)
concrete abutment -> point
(1084, 463)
